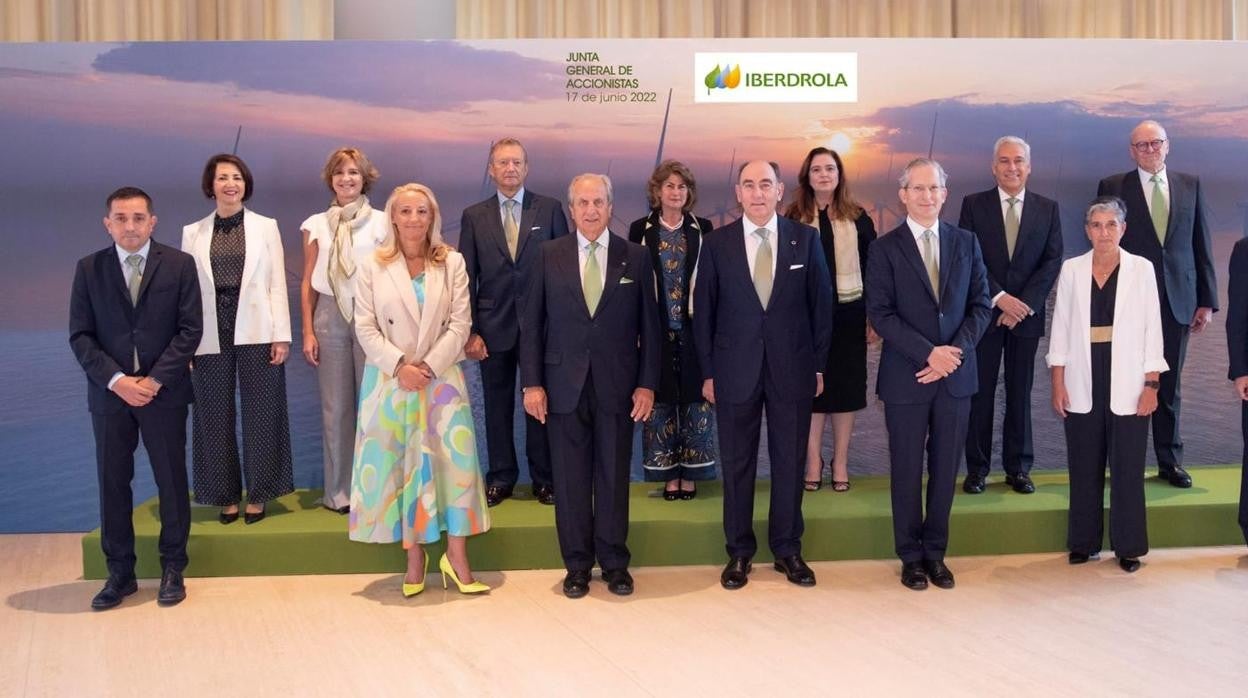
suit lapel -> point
(149, 271)
(254, 245)
(910, 251)
(115, 278)
(617, 263)
(693, 239)
(1177, 194)
(434, 281)
(995, 246)
(1025, 223)
(202, 246)
(528, 211)
(947, 250)
(494, 227)
(568, 265)
(397, 271)
(786, 243)
(1133, 195)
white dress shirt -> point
(1018, 211)
(752, 242)
(582, 255)
(126, 272)
(502, 207)
(916, 229)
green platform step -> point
(299, 537)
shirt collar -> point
(582, 242)
(122, 254)
(1146, 176)
(1022, 194)
(502, 199)
(917, 230)
(772, 225)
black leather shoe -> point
(250, 518)
(974, 484)
(1176, 476)
(344, 510)
(172, 589)
(913, 576)
(576, 584)
(737, 573)
(494, 495)
(686, 495)
(1129, 564)
(1021, 483)
(1080, 558)
(939, 573)
(113, 592)
(229, 518)
(619, 582)
(543, 493)
(796, 570)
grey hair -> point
(1148, 122)
(996, 148)
(1101, 204)
(904, 179)
(606, 182)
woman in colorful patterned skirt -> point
(415, 471)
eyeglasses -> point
(1145, 146)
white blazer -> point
(263, 305)
(392, 326)
(1137, 344)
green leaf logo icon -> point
(712, 79)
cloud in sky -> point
(420, 76)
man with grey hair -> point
(589, 365)
(927, 296)
(1166, 225)
(1020, 234)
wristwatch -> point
(1155, 385)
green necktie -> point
(135, 262)
(510, 229)
(762, 267)
(1011, 226)
(591, 279)
(929, 261)
(1159, 210)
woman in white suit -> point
(415, 471)
(242, 276)
(1105, 358)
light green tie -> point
(1159, 210)
(135, 262)
(1011, 226)
(591, 279)
(762, 267)
(929, 261)
(510, 229)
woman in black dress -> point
(845, 230)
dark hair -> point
(666, 169)
(128, 193)
(210, 173)
(843, 205)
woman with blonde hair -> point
(415, 473)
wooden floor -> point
(1015, 625)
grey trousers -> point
(340, 373)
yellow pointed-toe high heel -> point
(448, 572)
(410, 590)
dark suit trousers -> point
(1243, 478)
(788, 427)
(1120, 442)
(1020, 363)
(164, 436)
(498, 383)
(1167, 442)
(591, 451)
(936, 429)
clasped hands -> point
(136, 391)
(413, 377)
(943, 360)
(1013, 311)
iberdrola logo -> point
(728, 78)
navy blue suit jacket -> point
(733, 332)
(1031, 273)
(619, 345)
(105, 328)
(1237, 312)
(904, 311)
(495, 282)
(1185, 271)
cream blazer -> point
(263, 305)
(1137, 343)
(392, 326)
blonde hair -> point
(391, 249)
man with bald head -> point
(762, 326)
(1166, 225)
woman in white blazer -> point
(415, 471)
(336, 243)
(1105, 359)
(242, 278)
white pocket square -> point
(795, 266)
(626, 280)
(536, 227)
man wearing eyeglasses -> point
(1166, 225)
(927, 296)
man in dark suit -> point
(500, 239)
(1020, 235)
(1166, 226)
(927, 296)
(589, 365)
(1237, 348)
(135, 320)
(762, 327)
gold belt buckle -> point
(1099, 334)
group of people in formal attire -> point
(689, 331)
